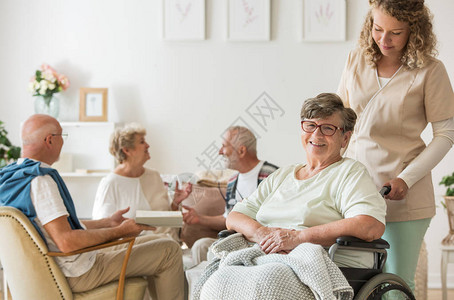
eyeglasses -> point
(64, 136)
(325, 129)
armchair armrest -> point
(95, 247)
(121, 279)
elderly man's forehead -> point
(230, 136)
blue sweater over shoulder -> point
(15, 181)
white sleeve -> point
(443, 132)
(46, 199)
(104, 205)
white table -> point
(447, 256)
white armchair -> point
(32, 273)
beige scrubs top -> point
(387, 135)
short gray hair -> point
(243, 137)
(124, 138)
(325, 105)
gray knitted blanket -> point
(242, 272)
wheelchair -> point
(371, 284)
(368, 284)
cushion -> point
(206, 201)
(215, 178)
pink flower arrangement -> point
(47, 82)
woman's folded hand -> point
(279, 240)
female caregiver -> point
(396, 86)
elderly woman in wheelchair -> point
(297, 211)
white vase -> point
(49, 105)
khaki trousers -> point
(158, 259)
(199, 250)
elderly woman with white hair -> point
(131, 186)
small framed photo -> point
(183, 20)
(93, 105)
(324, 20)
(249, 20)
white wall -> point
(186, 93)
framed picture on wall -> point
(184, 20)
(324, 20)
(248, 20)
(93, 104)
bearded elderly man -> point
(32, 186)
(239, 149)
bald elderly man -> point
(35, 188)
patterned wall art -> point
(248, 20)
(184, 20)
(324, 20)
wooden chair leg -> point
(121, 281)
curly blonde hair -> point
(421, 45)
(124, 138)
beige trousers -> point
(200, 248)
(159, 259)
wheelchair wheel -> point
(385, 286)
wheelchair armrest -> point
(225, 233)
(356, 242)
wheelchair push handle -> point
(385, 190)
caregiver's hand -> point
(399, 189)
